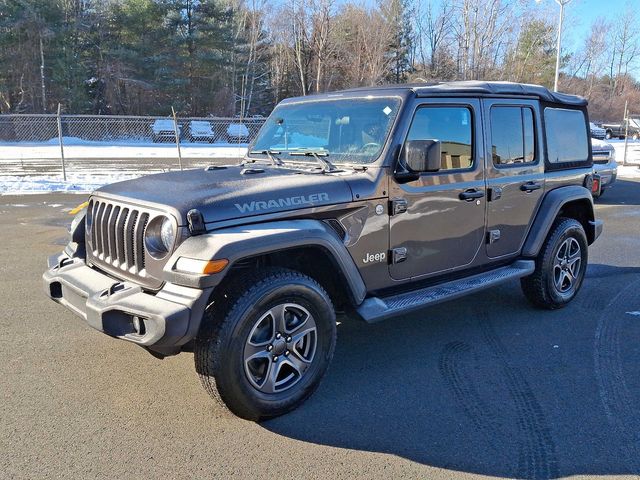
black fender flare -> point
(550, 207)
(241, 242)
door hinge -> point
(495, 193)
(493, 236)
(398, 255)
(397, 206)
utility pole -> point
(626, 132)
(562, 3)
(176, 131)
(44, 92)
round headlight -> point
(160, 236)
(167, 234)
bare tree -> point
(433, 28)
(625, 45)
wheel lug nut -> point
(269, 348)
(288, 339)
(275, 358)
(286, 353)
(278, 336)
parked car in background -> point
(162, 130)
(201, 131)
(596, 131)
(604, 164)
(619, 130)
(237, 133)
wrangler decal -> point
(255, 206)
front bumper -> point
(163, 320)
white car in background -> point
(162, 130)
(237, 133)
(604, 163)
(201, 131)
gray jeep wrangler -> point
(375, 202)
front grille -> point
(601, 156)
(116, 238)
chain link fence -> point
(47, 143)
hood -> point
(600, 145)
(225, 193)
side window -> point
(453, 127)
(566, 135)
(512, 135)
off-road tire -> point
(539, 287)
(227, 324)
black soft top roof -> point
(475, 87)
(501, 88)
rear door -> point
(515, 172)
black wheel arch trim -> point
(550, 208)
(242, 242)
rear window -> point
(566, 134)
(512, 135)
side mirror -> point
(422, 155)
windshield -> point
(634, 122)
(346, 130)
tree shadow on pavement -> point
(490, 385)
(621, 193)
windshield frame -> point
(333, 97)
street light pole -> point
(562, 3)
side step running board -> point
(374, 309)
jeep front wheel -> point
(271, 349)
(560, 266)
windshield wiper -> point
(271, 154)
(327, 166)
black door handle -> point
(530, 186)
(471, 194)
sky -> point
(580, 14)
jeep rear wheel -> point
(560, 266)
(271, 349)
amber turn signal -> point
(215, 266)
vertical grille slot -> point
(129, 227)
(97, 229)
(138, 242)
(104, 231)
(111, 226)
(120, 243)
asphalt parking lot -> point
(485, 385)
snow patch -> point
(628, 171)
(75, 183)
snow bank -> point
(75, 183)
(88, 150)
(629, 171)
(633, 151)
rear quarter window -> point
(566, 136)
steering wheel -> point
(370, 146)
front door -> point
(515, 172)
(444, 222)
